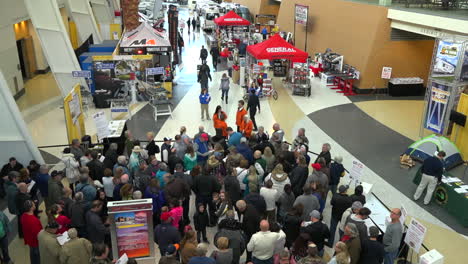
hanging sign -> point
(301, 14)
(81, 74)
(155, 71)
(437, 107)
(386, 73)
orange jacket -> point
(217, 123)
(239, 116)
(247, 128)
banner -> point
(132, 234)
(356, 171)
(74, 118)
(415, 235)
(446, 59)
(437, 107)
(301, 14)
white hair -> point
(137, 195)
(122, 160)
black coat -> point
(232, 188)
(298, 178)
(21, 198)
(110, 159)
(152, 148)
(257, 201)
(251, 221)
(200, 220)
(358, 198)
(214, 51)
(340, 202)
(253, 104)
(230, 228)
(96, 169)
(291, 227)
(318, 233)
(325, 155)
(77, 212)
(372, 252)
(205, 185)
(95, 228)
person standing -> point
(55, 188)
(204, 75)
(49, 248)
(31, 227)
(76, 250)
(392, 237)
(262, 244)
(372, 250)
(214, 51)
(300, 139)
(188, 24)
(241, 112)
(202, 149)
(339, 202)
(151, 148)
(308, 201)
(219, 122)
(336, 172)
(205, 99)
(165, 150)
(271, 196)
(165, 234)
(194, 24)
(203, 54)
(247, 127)
(96, 167)
(325, 154)
(4, 231)
(224, 87)
(252, 106)
(431, 170)
(201, 221)
(96, 229)
(317, 230)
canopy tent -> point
(428, 146)
(277, 48)
(145, 36)
(231, 19)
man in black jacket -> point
(214, 51)
(12, 165)
(317, 230)
(96, 167)
(250, 222)
(96, 229)
(203, 54)
(325, 154)
(252, 106)
(372, 250)
(339, 202)
(432, 170)
(204, 186)
(204, 75)
(20, 199)
(165, 234)
(152, 148)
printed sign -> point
(415, 235)
(302, 14)
(132, 234)
(102, 125)
(81, 74)
(437, 107)
(446, 59)
(155, 71)
(356, 172)
(386, 73)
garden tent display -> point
(231, 19)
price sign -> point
(81, 74)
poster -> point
(415, 235)
(356, 171)
(446, 60)
(132, 234)
(404, 215)
(102, 125)
(464, 67)
(75, 107)
(386, 72)
(437, 107)
(301, 14)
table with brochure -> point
(452, 195)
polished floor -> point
(374, 132)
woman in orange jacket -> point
(219, 122)
(247, 126)
(241, 112)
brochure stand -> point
(132, 229)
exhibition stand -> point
(131, 229)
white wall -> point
(41, 61)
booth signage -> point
(105, 66)
(155, 71)
(446, 59)
(81, 74)
(386, 73)
(158, 49)
(356, 171)
(415, 235)
(437, 107)
(301, 14)
(280, 49)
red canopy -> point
(231, 19)
(277, 48)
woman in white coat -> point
(72, 166)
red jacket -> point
(220, 124)
(247, 129)
(63, 222)
(239, 116)
(31, 227)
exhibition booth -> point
(282, 54)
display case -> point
(300, 80)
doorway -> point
(27, 57)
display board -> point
(437, 107)
(301, 14)
(132, 228)
(415, 235)
(73, 110)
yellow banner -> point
(74, 116)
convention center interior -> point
(233, 131)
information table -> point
(452, 195)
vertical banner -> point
(132, 234)
(437, 107)
(301, 14)
(415, 235)
(73, 110)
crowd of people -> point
(254, 189)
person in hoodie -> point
(279, 179)
(224, 87)
(359, 220)
(201, 221)
(71, 167)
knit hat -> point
(316, 166)
(356, 205)
(315, 214)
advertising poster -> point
(301, 14)
(386, 72)
(437, 107)
(446, 60)
(132, 234)
(356, 171)
(75, 107)
(415, 235)
(464, 69)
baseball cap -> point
(167, 139)
(165, 216)
(204, 136)
(315, 214)
(316, 166)
(356, 205)
(342, 188)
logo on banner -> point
(233, 19)
(280, 49)
(143, 42)
(441, 195)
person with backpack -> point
(203, 54)
(224, 87)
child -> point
(176, 212)
(200, 219)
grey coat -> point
(236, 242)
(224, 84)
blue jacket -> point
(204, 98)
(234, 139)
(433, 166)
(166, 234)
(202, 148)
(336, 170)
(42, 181)
(158, 199)
(89, 192)
(245, 151)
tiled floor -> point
(39, 89)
